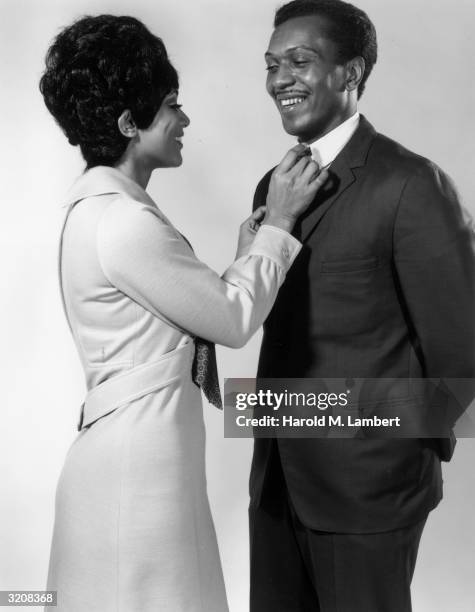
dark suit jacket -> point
(383, 288)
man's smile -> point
(288, 101)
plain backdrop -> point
(421, 93)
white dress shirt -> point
(325, 149)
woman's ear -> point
(127, 125)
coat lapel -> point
(341, 176)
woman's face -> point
(160, 144)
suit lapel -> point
(341, 176)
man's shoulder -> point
(387, 161)
(388, 153)
(401, 171)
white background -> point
(420, 93)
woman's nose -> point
(185, 120)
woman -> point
(133, 529)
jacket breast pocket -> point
(348, 266)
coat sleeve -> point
(435, 263)
(145, 258)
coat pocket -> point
(349, 265)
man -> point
(383, 289)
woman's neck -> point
(135, 171)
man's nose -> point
(282, 77)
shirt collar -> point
(325, 149)
(102, 180)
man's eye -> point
(300, 62)
(271, 68)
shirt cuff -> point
(276, 244)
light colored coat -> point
(133, 529)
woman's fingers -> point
(254, 221)
(320, 179)
(259, 213)
(292, 191)
(311, 171)
(292, 157)
(299, 167)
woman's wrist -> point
(285, 223)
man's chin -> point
(304, 131)
(294, 129)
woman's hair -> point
(97, 68)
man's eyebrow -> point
(291, 49)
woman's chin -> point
(177, 163)
(172, 162)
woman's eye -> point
(175, 106)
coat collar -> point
(354, 155)
(102, 180)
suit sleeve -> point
(435, 263)
(260, 195)
(145, 258)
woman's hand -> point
(293, 187)
(248, 230)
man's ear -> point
(126, 124)
(354, 73)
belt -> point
(135, 383)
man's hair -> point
(349, 28)
(95, 69)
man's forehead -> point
(299, 32)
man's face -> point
(304, 78)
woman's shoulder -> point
(123, 211)
(129, 223)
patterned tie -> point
(204, 370)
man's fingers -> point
(292, 157)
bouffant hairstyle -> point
(97, 68)
(350, 29)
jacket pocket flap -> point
(349, 265)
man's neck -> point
(327, 147)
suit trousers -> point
(297, 569)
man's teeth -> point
(291, 101)
(178, 138)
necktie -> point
(204, 370)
